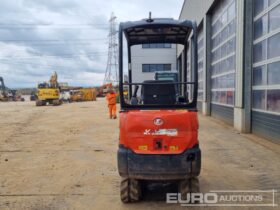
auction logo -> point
(225, 198)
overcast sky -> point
(38, 37)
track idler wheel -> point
(130, 190)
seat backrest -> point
(158, 94)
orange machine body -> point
(158, 131)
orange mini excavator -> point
(158, 138)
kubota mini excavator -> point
(158, 139)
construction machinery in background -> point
(76, 96)
(14, 95)
(8, 94)
(66, 91)
(158, 138)
(89, 94)
(65, 96)
(83, 94)
(49, 93)
(33, 96)
(3, 91)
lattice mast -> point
(111, 74)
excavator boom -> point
(3, 92)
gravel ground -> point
(65, 158)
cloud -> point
(52, 5)
(38, 37)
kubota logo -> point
(158, 121)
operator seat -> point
(155, 93)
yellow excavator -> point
(48, 93)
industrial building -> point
(239, 62)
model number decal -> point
(160, 132)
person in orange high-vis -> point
(112, 103)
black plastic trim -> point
(159, 167)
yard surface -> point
(65, 158)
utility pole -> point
(111, 74)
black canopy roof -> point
(158, 30)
